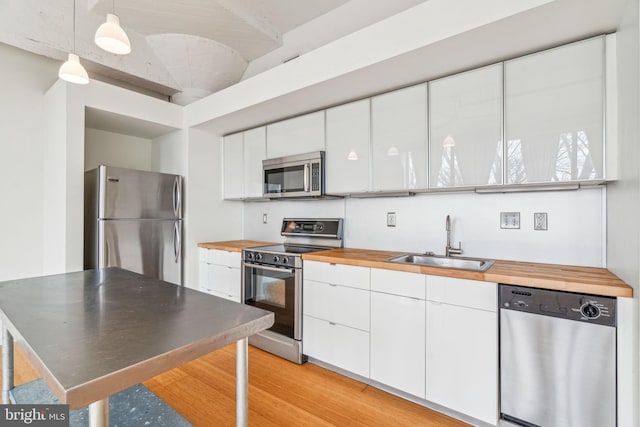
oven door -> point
(277, 290)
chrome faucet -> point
(449, 250)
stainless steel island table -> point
(94, 333)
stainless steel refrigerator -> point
(133, 220)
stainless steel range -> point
(272, 280)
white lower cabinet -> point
(462, 347)
(398, 330)
(336, 315)
(398, 342)
(220, 273)
(432, 337)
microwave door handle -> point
(306, 177)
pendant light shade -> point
(111, 37)
(73, 72)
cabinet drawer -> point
(230, 259)
(337, 274)
(225, 280)
(463, 292)
(337, 345)
(337, 304)
(398, 283)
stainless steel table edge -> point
(149, 368)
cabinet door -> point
(336, 344)
(554, 114)
(399, 124)
(465, 122)
(462, 360)
(232, 166)
(348, 145)
(255, 151)
(298, 135)
(398, 342)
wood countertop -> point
(590, 280)
(233, 245)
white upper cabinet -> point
(348, 145)
(465, 118)
(233, 169)
(302, 134)
(554, 114)
(255, 151)
(399, 128)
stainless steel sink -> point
(474, 264)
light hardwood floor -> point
(280, 394)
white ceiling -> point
(185, 49)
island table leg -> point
(7, 365)
(242, 382)
(99, 413)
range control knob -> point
(250, 255)
(285, 260)
(590, 311)
(276, 258)
(258, 256)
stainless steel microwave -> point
(300, 175)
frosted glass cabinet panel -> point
(399, 127)
(348, 142)
(298, 135)
(255, 151)
(465, 117)
(232, 166)
(554, 114)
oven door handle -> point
(264, 267)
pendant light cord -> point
(74, 27)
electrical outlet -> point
(391, 219)
(510, 220)
(264, 218)
(540, 221)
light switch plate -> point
(510, 220)
(540, 221)
(391, 219)
(264, 218)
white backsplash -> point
(575, 234)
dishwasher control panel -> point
(568, 305)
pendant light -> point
(111, 37)
(72, 71)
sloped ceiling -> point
(181, 49)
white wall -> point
(575, 235)
(116, 149)
(23, 80)
(623, 199)
(208, 217)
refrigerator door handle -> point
(177, 197)
(177, 240)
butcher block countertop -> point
(233, 245)
(590, 280)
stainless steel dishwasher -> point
(557, 358)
